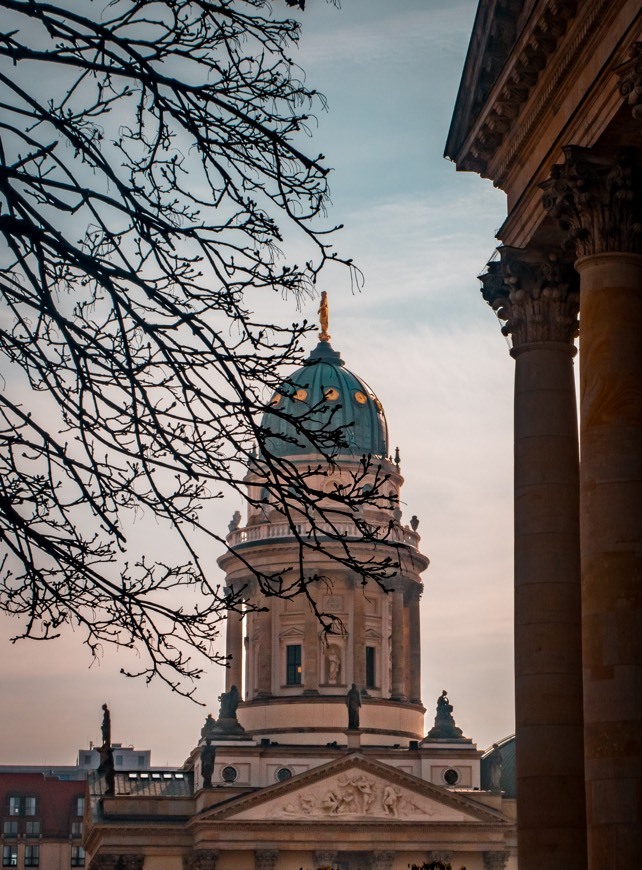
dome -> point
(329, 396)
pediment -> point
(355, 789)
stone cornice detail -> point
(504, 102)
(535, 294)
(630, 84)
(597, 201)
(562, 68)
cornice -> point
(563, 66)
(521, 69)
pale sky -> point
(420, 334)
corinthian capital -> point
(535, 294)
(495, 860)
(630, 76)
(265, 859)
(596, 200)
(201, 859)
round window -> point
(451, 776)
(229, 774)
(331, 394)
(301, 395)
(283, 773)
(360, 397)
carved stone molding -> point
(201, 859)
(265, 859)
(535, 294)
(597, 200)
(495, 860)
(324, 859)
(382, 860)
(532, 54)
(630, 76)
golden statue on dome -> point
(324, 335)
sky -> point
(419, 334)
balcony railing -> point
(348, 530)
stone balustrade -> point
(270, 531)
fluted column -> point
(398, 651)
(597, 200)
(234, 650)
(537, 297)
(414, 595)
(358, 637)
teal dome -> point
(328, 397)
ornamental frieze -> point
(352, 795)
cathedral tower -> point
(295, 677)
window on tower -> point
(371, 671)
(293, 664)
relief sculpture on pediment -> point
(352, 795)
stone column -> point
(264, 658)
(358, 636)
(311, 654)
(265, 859)
(537, 297)
(398, 652)
(414, 595)
(598, 202)
(234, 651)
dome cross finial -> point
(324, 335)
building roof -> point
(321, 397)
(56, 799)
(508, 781)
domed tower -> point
(295, 677)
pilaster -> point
(398, 652)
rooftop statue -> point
(324, 335)
(106, 727)
(444, 727)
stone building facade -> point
(550, 109)
(319, 757)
